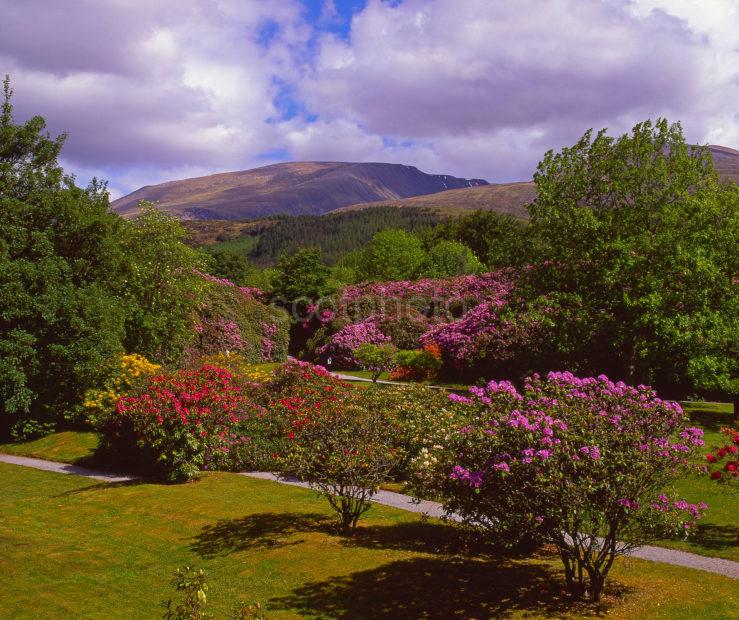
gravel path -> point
(403, 502)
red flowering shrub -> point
(177, 422)
(295, 390)
(724, 462)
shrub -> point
(127, 372)
(232, 319)
(176, 422)
(243, 372)
(419, 365)
(345, 451)
(579, 463)
(723, 461)
(344, 343)
(192, 583)
(376, 358)
(293, 389)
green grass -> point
(72, 547)
(717, 533)
(66, 447)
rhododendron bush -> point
(234, 319)
(177, 422)
(582, 464)
(724, 461)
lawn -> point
(717, 534)
(72, 547)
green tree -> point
(231, 266)
(450, 258)
(638, 234)
(59, 321)
(159, 284)
(376, 358)
(392, 255)
(300, 276)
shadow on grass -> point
(101, 485)
(436, 588)
(711, 419)
(717, 537)
(265, 530)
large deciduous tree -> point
(59, 321)
(639, 234)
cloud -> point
(151, 90)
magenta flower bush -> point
(346, 341)
(582, 464)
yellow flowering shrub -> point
(100, 402)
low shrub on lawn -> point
(582, 464)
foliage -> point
(724, 463)
(300, 277)
(235, 267)
(582, 464)
(418, 365)
(391, 255)
(232, 319)
(59, 319)
(177, 422)
(376, 358)
(335, 234)
(497, 240)
(450, 258)
(126, 373)
(193, 585)
(345, 451)
(639, 235)
(239, 367)
(160, 286)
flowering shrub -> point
(346, 341)
(293, 392)
(244, 373)
(234, 320)
(345, 451)
(579, 463)
(127, 372)
(723, 462)
(177, 421)
(420, 365)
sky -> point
(157, 90)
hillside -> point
(511, 198)
(299, 188)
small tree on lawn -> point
(581, 464)
(345, 451)
(376, 358)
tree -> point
(60, 322)
(232, 266)
(450, 258)
(392, 255)
(300, 276)
(345, 451)
(376, 358)
(159, 284)
(638, 234)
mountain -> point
(512, 198)
(298, 188)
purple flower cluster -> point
(343, 343)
